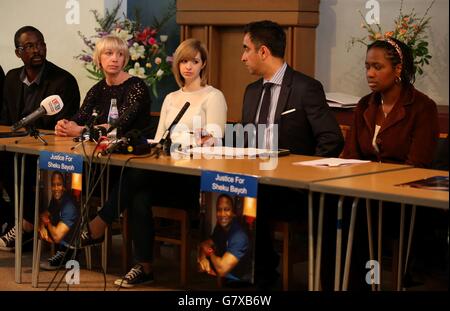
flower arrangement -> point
(148, 58)
(408, 28)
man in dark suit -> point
(296, 104)
(24, 89)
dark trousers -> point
(140, 190)
(274, 203)
(7, 180)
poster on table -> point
(60, 187)
(228, 226)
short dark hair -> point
(54, 173)
(226, 196)
(267, 33)
(23, 30)
(406, 59)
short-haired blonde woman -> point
(208, 108)
(131, 93)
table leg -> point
(337, 273)
(19, 218)
(380, 240)
(105, 243)
(36, 250)
(400, 247)
(310, 243)
(348, 255)
(319, 242)
(410, 236)
(369, 236)
(16, 215)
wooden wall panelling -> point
(304, 50)
(219, 25)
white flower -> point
(158, 60)
(137, 51)
(159, 73)
(163, 38)
(137, 71)
(122, 34)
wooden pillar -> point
(219, 25)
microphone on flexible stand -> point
(165, 142)
(49, 106)
(91, 122)
(115, 145)
(88, 132)
(132, 142)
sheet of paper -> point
(330, 162)
(227, 151)
(341, 98)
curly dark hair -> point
(226, 196)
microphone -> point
(117, 122)
(174, 122)
(114, 146)
(49, 106)
(91, 122)
(165, 142)
(133, 141)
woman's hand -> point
(68, 128)
(204, 139)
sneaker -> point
(86, 239)
(136, 276)
(8, 240)
(58, 260)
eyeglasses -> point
(30, 46)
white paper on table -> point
(343, 99)
(229, 151)
(330, 162)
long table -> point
(383, 186)
(285, 174)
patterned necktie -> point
(264, 111)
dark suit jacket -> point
(311, 129)
(54, 81)
(408, 135)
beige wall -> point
(339, 70)
(49, 16)
(342, 71)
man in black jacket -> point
(293, 109)
(27, 86)
(24, 89)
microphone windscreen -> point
(52, 104)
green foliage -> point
(408, 28)
(148, 58)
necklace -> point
(382, 108)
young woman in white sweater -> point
(207, 113)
